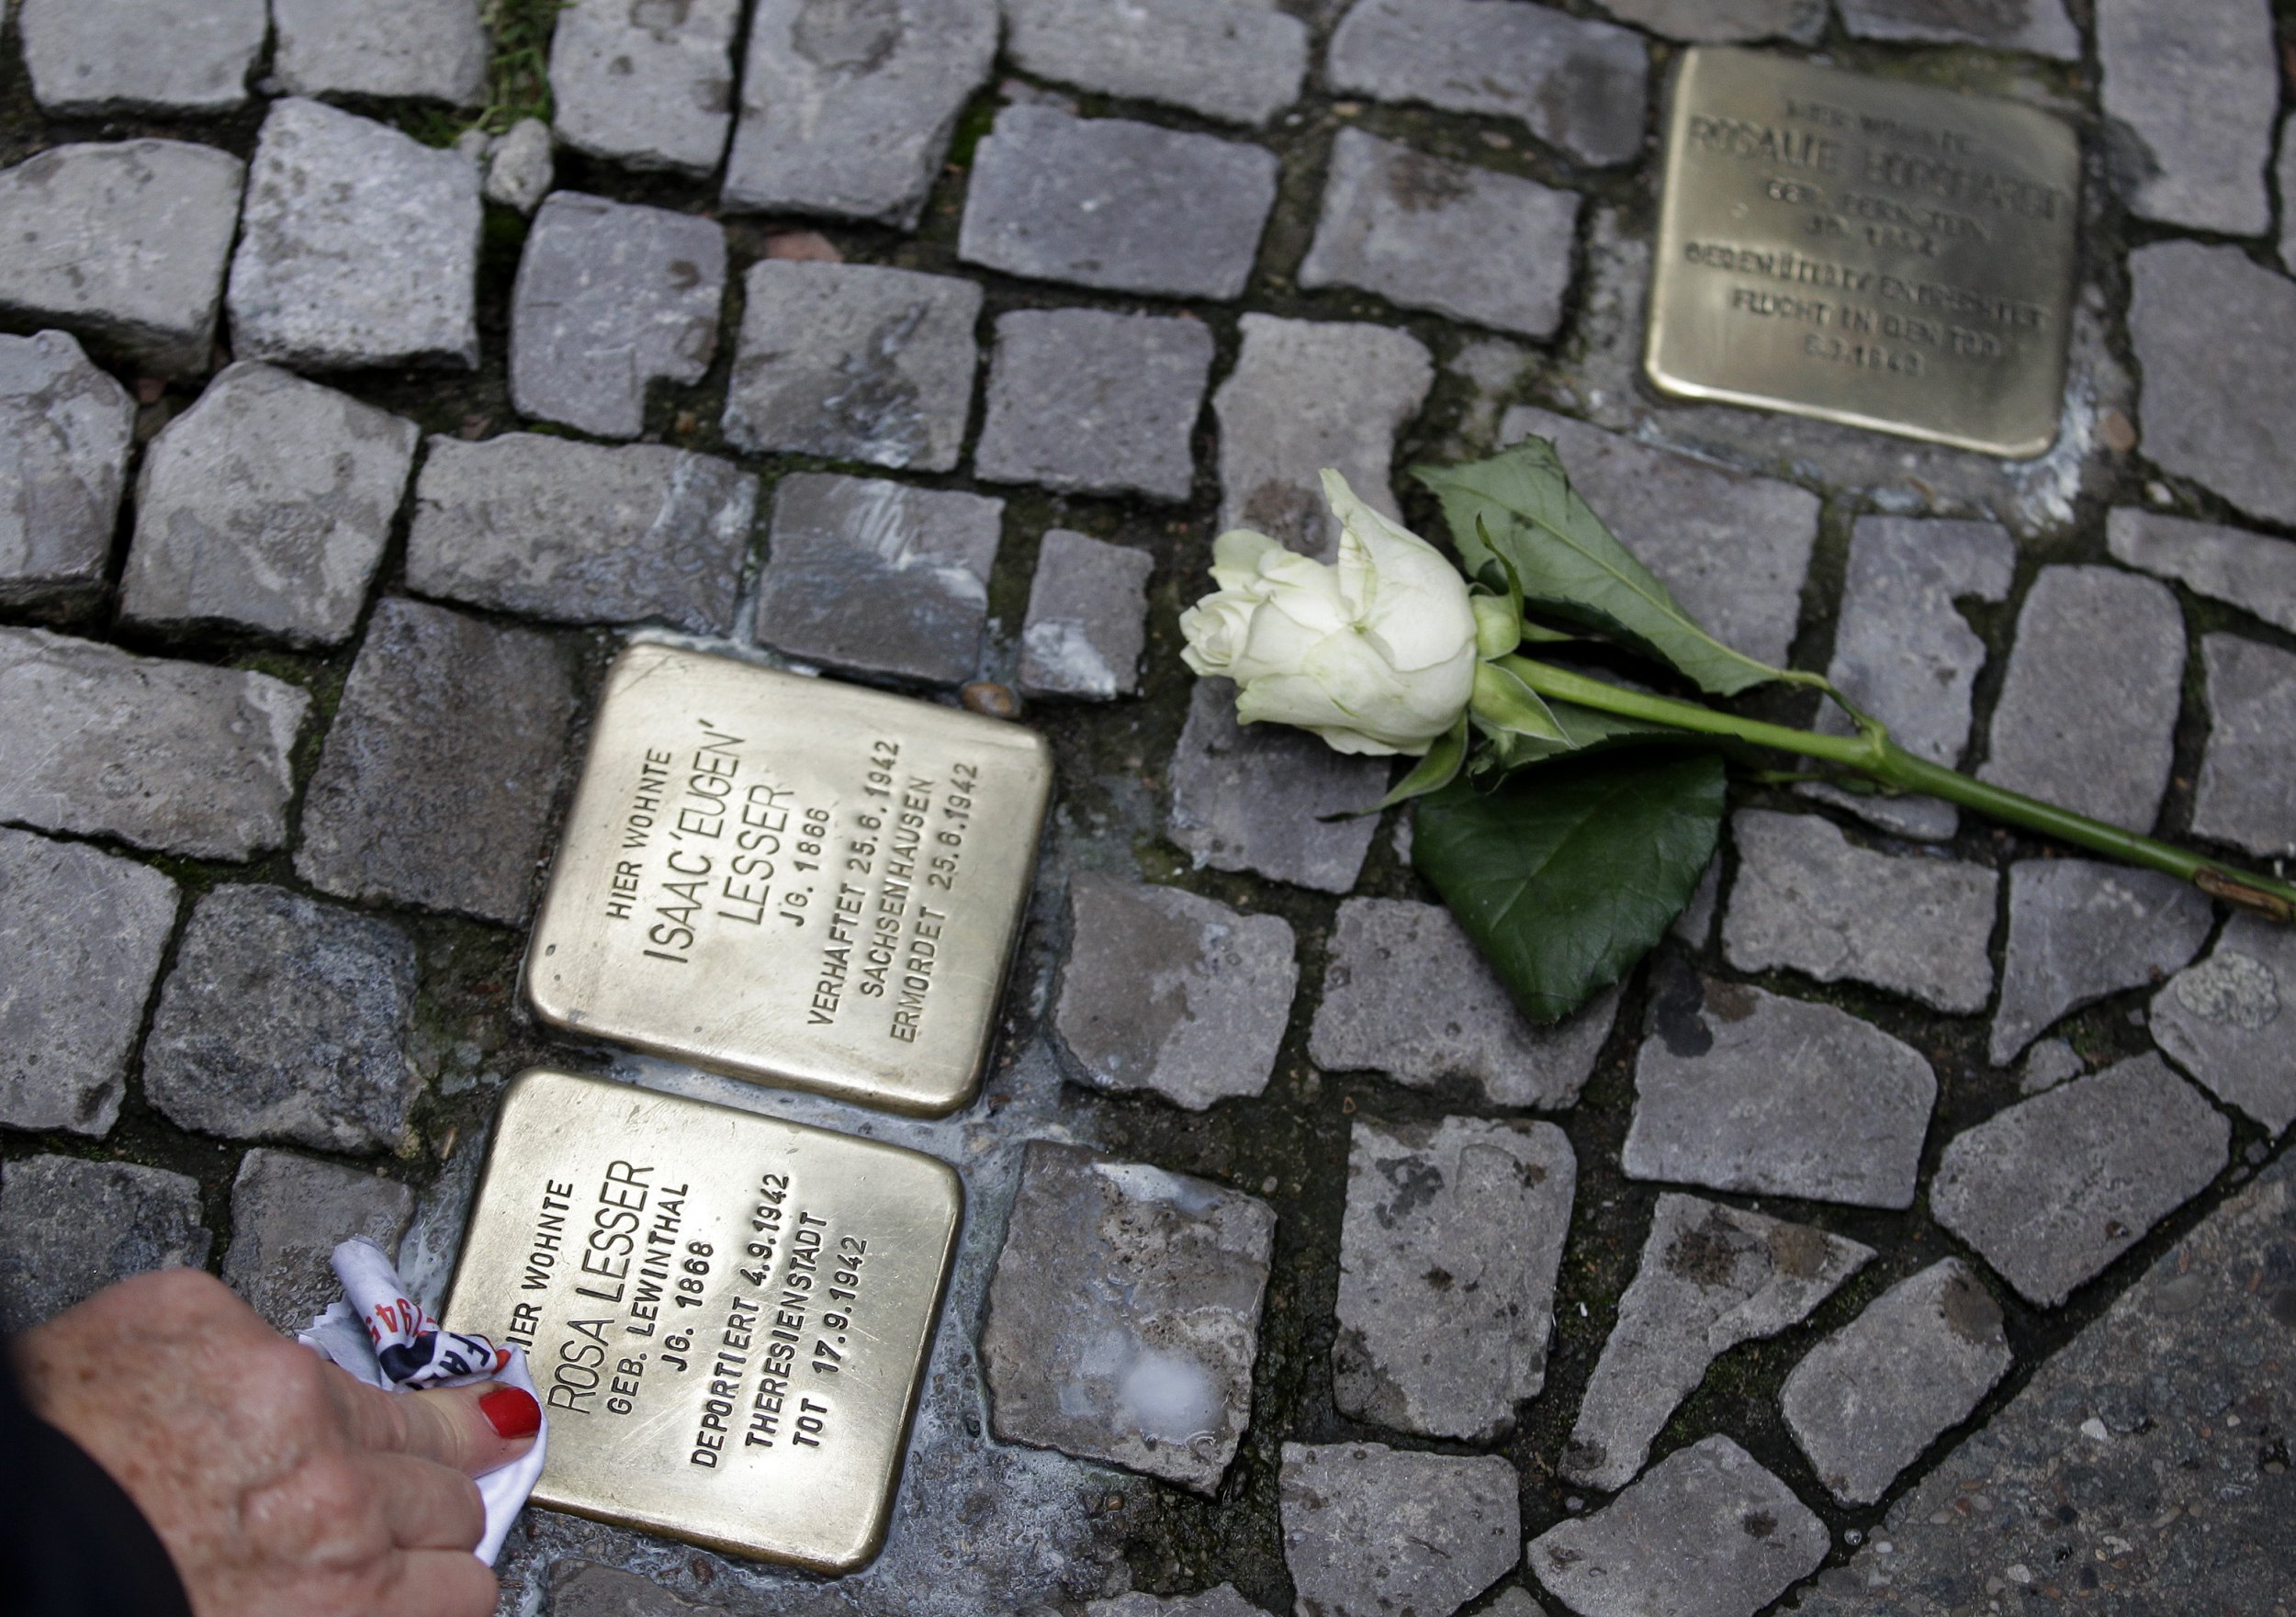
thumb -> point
(473, 1429)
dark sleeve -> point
(71, 1543)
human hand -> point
(281, 1486)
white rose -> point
(1376, 655)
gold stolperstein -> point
(1882, 254)
(791, 880)
(727, 1315)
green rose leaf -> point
(1568, 875)
(1519, 508)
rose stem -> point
(1874, 754)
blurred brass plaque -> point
(727, 1316)
(1887, 255)
(792, 880)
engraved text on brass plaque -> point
(727, 1315)
(791, 880)
(1887, 255)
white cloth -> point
(382, 1336)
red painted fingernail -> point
(511, 1412)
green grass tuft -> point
(518, 78)
(518, 75)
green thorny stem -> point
(1870, 753)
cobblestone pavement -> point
(1911, 1236)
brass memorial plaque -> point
(792, 880)
(727, 1315)
(1887, 255)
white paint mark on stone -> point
(2229, 987)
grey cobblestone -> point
(855, 362)
(2227, 1020)
(172, 756)
(582, 533)
(847, 109)
(2215, 337)
(1733, 549)
(433, 48)
(1375, 1531)
(2247, 792)
(359, 247)
(122, 246)
(2121, 1440)
(2248, 570)
(1577, 84)
(1377, 1012)
(1807, 900)
(1117, 204)
(2041, 27)
(1171, 993)
(267, 507)
(1241, 61)
(2080, 929)
(1707, 1533)
(1710, 1278)
(80, 936)
(1448, 1256)
(2191, 93)
(69, 426)
(2088, 712)
(286, 1019)
(436, 782)
(1726, 22)
(1124, 1315)
(2053, 1189)
(1904, 653)
(1256, 798)
(1086, 628)
(287, 1214)
(1695, 926)
(611, 299)
(1494, 367)
(69, 1228)
(1095, 402)
(2286, 188)
(586, 1588)
(93, 56)
(1513, 1603)
(522, 165)
(1741, 1090)
(649, 87)
(880, 578)
(2048, 1064)
(1425, 232)
(1866, 1401)
(1305, 395)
